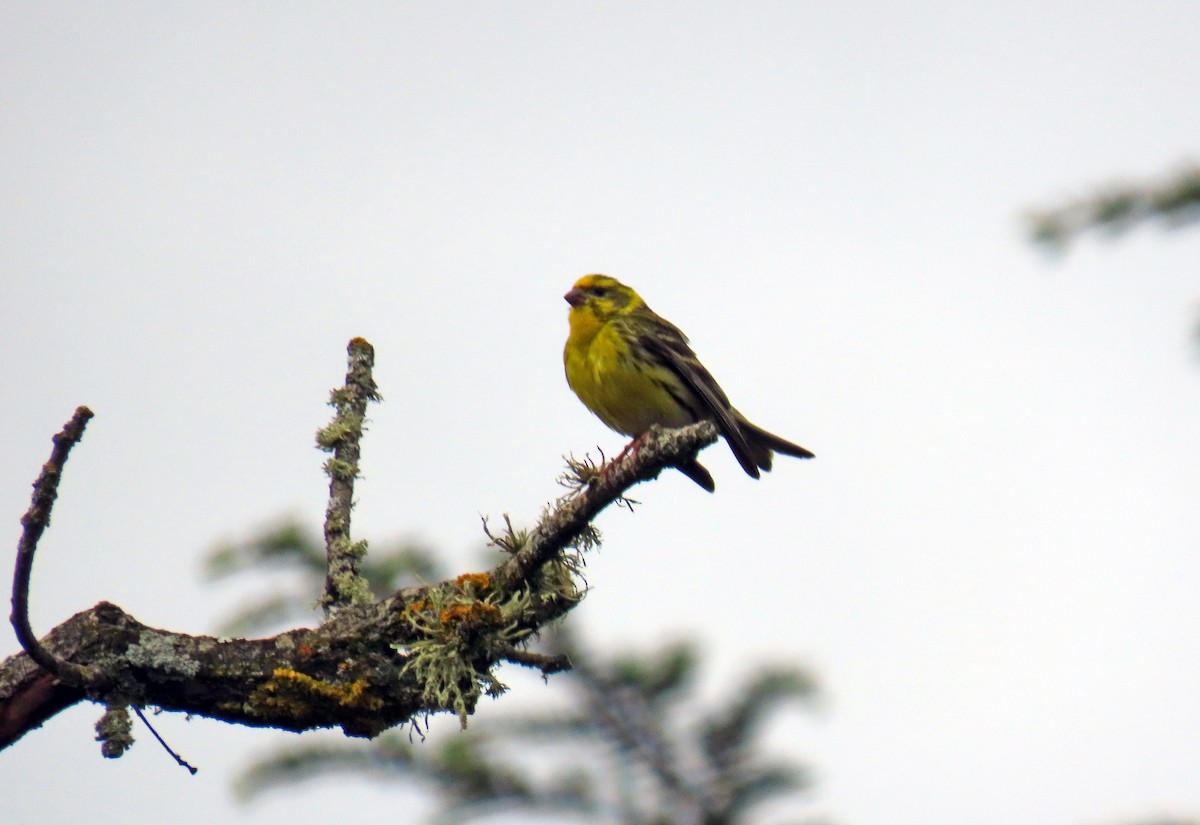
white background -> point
(992, 563)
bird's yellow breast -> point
(625, 391)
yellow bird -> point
(634, 369)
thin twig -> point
(162, 742)
(344, 583)
(35, 521)
(546, 663)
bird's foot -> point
(633, 446)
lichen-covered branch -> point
(340, 674)
(596, 488)
(344, 585)
(371, 665)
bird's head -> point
(602, 297)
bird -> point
(634, 369)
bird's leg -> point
(634, 446)
(631, 445)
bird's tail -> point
(763, 444)
(696, 471)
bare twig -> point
(548, 664)
(35, 521)
(179, 759)
(344, 584)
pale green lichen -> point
(457, 627)
(464, 624)
(114, 732)
(352, 588)
(562, 576)
(341, 469)
(338, 431)
(510, 541)
(157, 651)
(580, 473)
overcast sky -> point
(993, 562)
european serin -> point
(634, 369)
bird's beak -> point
(575, 297)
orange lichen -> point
(299, 694)
(479, 581)
(474, 614)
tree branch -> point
(370, 665)
(595, 490)
(547, 664)
(34, 523)
(344, 584)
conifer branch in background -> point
(626, 737)
(1118, 207)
